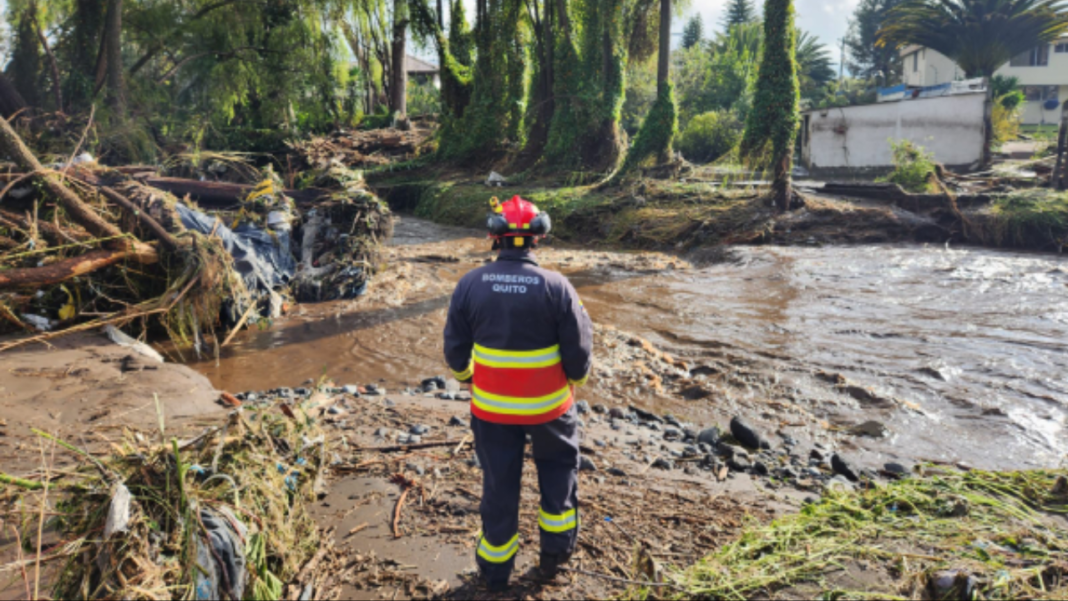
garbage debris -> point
(496, 179)
(359, 148)
(122, 339)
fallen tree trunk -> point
(221, 193)
(54, 234)
(65, 269)
(168, 241)
(12, 146)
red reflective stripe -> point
(522, 420)
(526, 383)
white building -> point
(1042, 72)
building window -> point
(915, 62)
(1040, 93)
(1061, 48)
(1036, 57)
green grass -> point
(1026, 217)
(1008, 529)
(1040, 132)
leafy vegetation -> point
(1027, 216)
(913, 167)
(709, 136)
(694, 32)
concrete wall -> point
(1035, 113)
(858, 137)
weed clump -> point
(913, 167)
(709, 136)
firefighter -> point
(521, 337)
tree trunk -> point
(11, 101)
(664, 59)
(62, 270)
(57, 84)
(1059, 180)
(113, 44)
(782, 187)
(399, 88)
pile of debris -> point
(117, 245)
(222, 515)
(360, 148)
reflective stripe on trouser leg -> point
(556, 454)
(498, 555)
(500, 452)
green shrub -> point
(709, 136)
(912, 167)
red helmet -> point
(517, 217)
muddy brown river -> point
(963, 352)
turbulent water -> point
(977, 340)
(967, 347)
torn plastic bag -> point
(263, 260)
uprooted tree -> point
(772, 124)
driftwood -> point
(12, 145)
(896, 195)
(221, 194)
(168, 241)
(54, 234)
(65, 269)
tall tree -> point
(772, 123)
(25, 66)
(398, 102)
(979, 35)
(867, 58)
(693, 33)
(814, 62)
(116, 87)
(739, 12)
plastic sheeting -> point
(262, 258)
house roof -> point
(417, 65)
(907, 50)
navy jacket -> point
(513, 304)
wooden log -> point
(221, 193)
(65, 269)
(11, 145)
(168, 241)
(54, 234)
(1058, 180)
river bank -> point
(885, 356)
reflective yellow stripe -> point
(558, 523)
(497, 403)
(498, 554)
(517, 359)
(581, 382)
(466, 374)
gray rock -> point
(645, 415)
(788, 440)
(812, 472)
(352, 389)
(725, 450)
(738, 464)
(447, 396)
(709, 436)
(382, 432)
(616, 425)
(419, 429)
(600, 409)
(600, 443)
(375, 390)
(871, 428)
(302, 392)
(672, 420)
(745, 434)
(664, 464)
(415, 467)
(456, 421)
(285, 393)
(617, 413)
(896, 469)
(672, 433)
(839, 483)
(582, 407)
(705, 448)
(951, 584)
(586, 464)
(414, 439)
(815, 454)
(654, 426)
(473, 462)
(403, 439)
(432, 384)
(252, 397)
(760, 469)
(788, 473)
(842, 468)
(615, 471)
(690, 451)
(335, 410)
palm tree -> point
(979, 35)
(813, 62)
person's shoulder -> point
(553, 278)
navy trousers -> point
(500, 450)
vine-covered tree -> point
(24, 70)
(739, 12)
(772, 123)
(693, 33)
